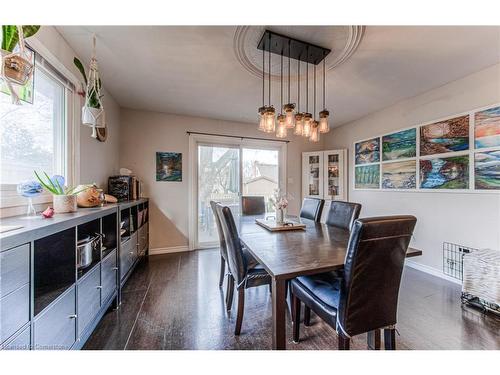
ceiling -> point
(212, 71)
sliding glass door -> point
(225, 170)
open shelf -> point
(90, 229)
(109, 240)
(134, 219)
(124, 224)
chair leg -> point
(343, 342)
(373, 340)
(229, 292)
(307, 316)
(241, 308)
(222, 271)
(296, 318)
(390, 339)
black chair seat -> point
(319, 292)
(257, 276)
(251, 261)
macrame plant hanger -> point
(20, 67)
(93, 114)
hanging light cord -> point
(289, 71)
(307, 82)
(314, 104)
(298, 85)
(269, 72)
(263, 76)
(281, 98)
(324, 83)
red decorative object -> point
(48, 213)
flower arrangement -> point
(278, 200)
(64, 198)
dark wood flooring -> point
(173, 301)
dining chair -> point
(253, 205)
(251, 262)
(343, 214)
(244, 276)
(365, 298)
(312, 208)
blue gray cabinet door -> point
(126, 257)
(55, 327)
(14, 311)
(89, 298)
(108, 276)
(14, 269)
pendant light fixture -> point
(290, 116)
(314, 124)
(281, 130)
(324, 127)
(299, 117)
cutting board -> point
(273, 226)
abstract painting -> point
(445, 136)
(399, 175)
(399, 145)
(445, 173)
(367, 151)
(487, 170)
(487, 128)
(168, 166)
(367, 177)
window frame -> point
(69, 132)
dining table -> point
(288, 254)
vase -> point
(64, 203)
(280, 216)
(93, 116)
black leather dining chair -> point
(251, 262)
(253, 205)
(343, 214)
(365, 298)
(312, 208)
(244, 276)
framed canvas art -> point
(399, 175)
(487, 170)
(445, 136)
(399, 145)
(445, 173)
(367, 151)
(169, 166)
(367, 177)
(487, 128)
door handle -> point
(98, 287)
(114, 269)
(74, 316)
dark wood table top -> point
(287, 254)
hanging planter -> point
(16, 67)
(93, 113)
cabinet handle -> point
(131, 252)
(114, 269)
(73, 316)
(98, 287)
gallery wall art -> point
(487, 170)
(399, 175)
(367, 151)
(445, 173)
(399, 145)
(169, 166)
(487, 128)
(445, 136)
(367, 176)
(461, 152)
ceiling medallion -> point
(342, 40)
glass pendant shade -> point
(323, 121)
(270, 124)
(314, 132)
(306, 131)
(289, 115)
(299, 124)
(281, 130)
(262, 119)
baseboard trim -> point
(431, 271)
(168, 250)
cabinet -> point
(324, 174)
(89, 298)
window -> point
(34, 136)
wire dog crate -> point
(453, 265)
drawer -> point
(89, 298)
(14, 311)
(134, 239)
(14, 269)
(108, 275)
(127, 254)
(55, 328)
(21, 341)
(143, 239)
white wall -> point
(471, 219)
(145, 133)
(98, 160)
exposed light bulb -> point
(306, 132)
(289, 115)
(324, 127)
(262, 119)
(314, 132)
(270, 120)
(281, 130)
(299, 124)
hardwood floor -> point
(173, 302)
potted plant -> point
(16, 67)
(63, 198)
